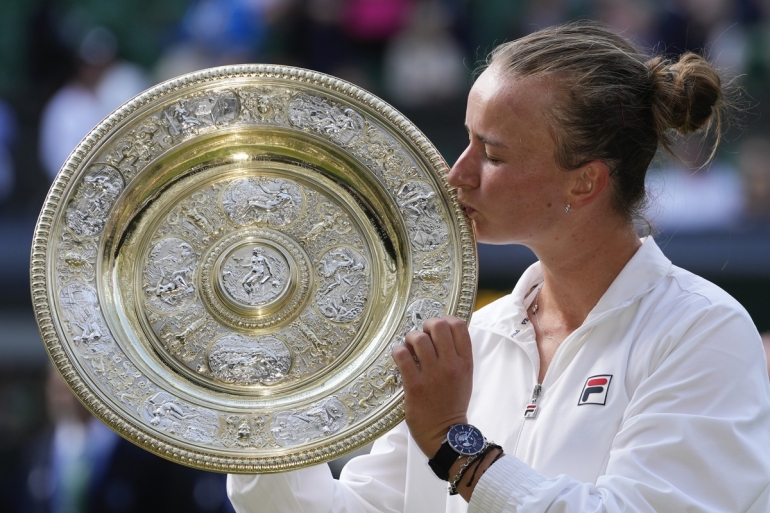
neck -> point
(579, 268)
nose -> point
(465, 171)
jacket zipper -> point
(531, 411)
(537, 391)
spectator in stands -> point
(102, 84)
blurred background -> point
(66, 64)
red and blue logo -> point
(595, 390)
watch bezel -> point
(459, 429)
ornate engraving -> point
(133, 152)
(167, 413)
(80, 305)
(197, 219)
(421, 310)
(264, 105)
(186, 336)
(315, 342)
(319, 420)
(188, 115)
(245, 432)
(384, 156)
(270, 201)
(344, 288)
(97, 192)
(255, 274)
(120, 377)
(77, 258)
(374, 388)
(169, 275)
(243, 360)
(313, 113)
(427, 229)
(283, 306)
(325, 224)
(331, 219)
(432, 274)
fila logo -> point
(595, 390)
(531, 411)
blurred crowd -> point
(75, 61)
(66, 64)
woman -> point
(611, 380)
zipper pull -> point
(530, 412)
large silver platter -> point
(223, 265)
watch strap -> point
(443, 461)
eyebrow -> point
(486, 140)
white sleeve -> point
(373, 483)
(695, 437)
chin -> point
(492, 240)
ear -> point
(589, 181)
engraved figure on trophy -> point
(344, 288)
(76, 259)
(80, 304)
(190, 114)
(332, 219)
(321, 419)
(374, 388)
(247, 432)
(196, 219)
(259, 280)
(167, 413)
(183, 335)
(272, 201)
(341, 125)
(243, 360)
(169, 275)
(260, 272)
(97, 192)
(432, 272)
(133, 152)
(427, 229)
(264, 105)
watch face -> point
(465, 439)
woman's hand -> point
(436, 367)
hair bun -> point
(685, 94)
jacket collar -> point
(642, 273)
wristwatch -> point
(461, 440)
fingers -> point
(461, 337)
(442, 338)
(450, 336)
(438, 331)
(421, 345)
(406, 363)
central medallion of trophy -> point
(255, 278)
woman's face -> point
(507, 178)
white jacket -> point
(676, 416)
